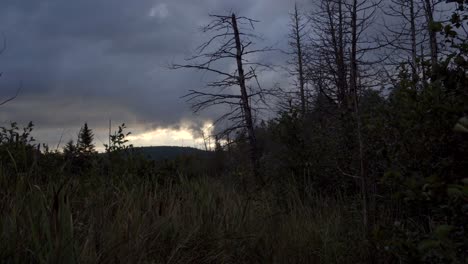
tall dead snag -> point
(354, 100)
(342, 46)
(429, 7)
(236, 90)
(405, 34)
(361, 13)
(415, 26)
(296, 36)
(329, 44)
(414, 44)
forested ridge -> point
(364, 158)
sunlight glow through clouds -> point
(182, 136)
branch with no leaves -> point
(11, 98)
(2, 49)
(230, 43)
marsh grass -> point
(127, 219)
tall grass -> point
(200, 220)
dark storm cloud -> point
(91, 60)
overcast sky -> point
(91, 60)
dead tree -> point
(414, 44)
(361, 16)
(231, 41)
(416, 27)
(328, 49)
(343, 44)
(297, 37)
(405, 35)
(342, 48)
(353, 84)
(429, 9)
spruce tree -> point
(85, 141)
(70, 149)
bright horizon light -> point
(181, 136)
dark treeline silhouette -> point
(365, 160)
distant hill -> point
(168, 152)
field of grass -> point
(128, 219)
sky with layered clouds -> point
(95, 60)
(78, 61)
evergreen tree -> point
(70, 149)
(85, 141)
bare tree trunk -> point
(342, 83)
(245, 104)
(414, 63)
(204, 140)
(355, 101)
(353, 63)
(355, 104)
(297, 31)
(228, 43)
(429, 10)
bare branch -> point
(11, 98)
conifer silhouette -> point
(85, 141)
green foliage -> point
(429, 162)
(118, 140)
